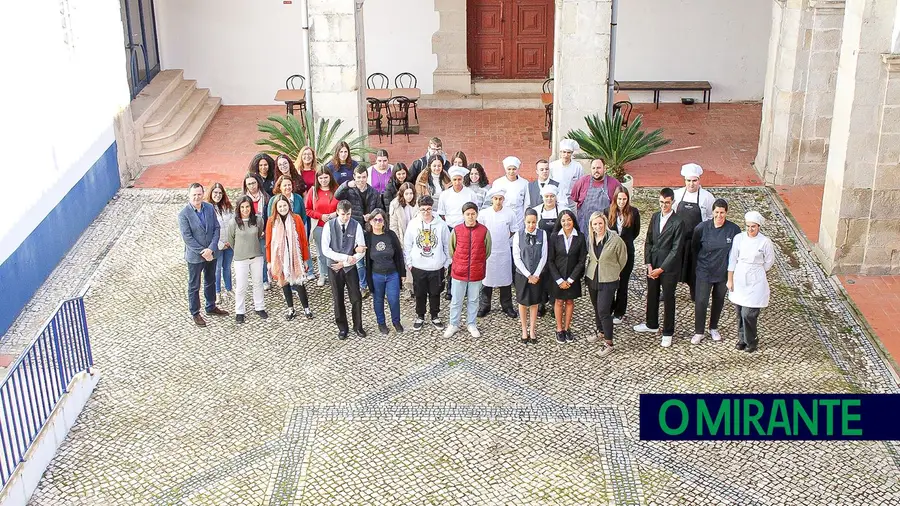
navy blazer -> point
(197, 237)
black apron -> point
(690, 214)
(547, 224)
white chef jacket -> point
(500, 225)
(750, 258)
(566, 176)
(450, 204)
(516, 199)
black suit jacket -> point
(628, 234)
(664, 249)
(564, 265)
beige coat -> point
(612, 258)
(398, 220)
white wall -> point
(723, 42)
(398, 39)
(62, 96)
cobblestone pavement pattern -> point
(282, 413)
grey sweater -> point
(244, 241)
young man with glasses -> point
(426, 250)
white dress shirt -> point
(517, 255)
(329, 253)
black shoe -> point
(360, 333)
(524, 339)
(438, 324)
(418, 324)
(483, 312)
(239, 318)
(398, 328)
(570, 337)
(364, 292)
(511, 312)
(740, 346)
(262, 314)
(448, 296)
(542, 310)
(383, 329)
(342, 334)
(561, 337)
(750, 349)
(290, 314)
(308, 312)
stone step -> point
(154, 94)
(449, 100)
(179, 122)
(189, 138)
(169, 107)
(494, 86)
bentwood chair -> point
(294, 82)
(398, 115)
(378, 81)
(374, 115)
(408, 80)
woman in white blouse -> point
(752, 254)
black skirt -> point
(526, 293)
(571, 293)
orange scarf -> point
(287, 261)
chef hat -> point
(510, 161)
(568, 145)
(691, 170)
(496, 191)
(754, 217)
(549, 189)
(459, 171)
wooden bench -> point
(657, 86)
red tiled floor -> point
(723, 140)
(805, 204)
(878, 299)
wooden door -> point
(510, 39)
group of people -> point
(438, 227)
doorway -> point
(510, 39)
(141, 47)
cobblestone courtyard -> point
(278, 412)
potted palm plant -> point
(288, 135)
(615, 144)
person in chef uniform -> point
(500, 223)
(566, 171)
(516, 188)
(548, 212)
(693, 205)
(752, 254)
(450, 204)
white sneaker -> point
(451, 330)
(266, 286)
(321, 281)
(593, 338)
(644, 328)
(666, 341)
(473, 331)
(617, 321)
(697, 338)
(715, 334)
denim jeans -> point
(472, 291)
(262, 248)
(389, 285)
(208, 269)
(323, 265)
(361, 269)
(223, 269)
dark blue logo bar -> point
(776, 417)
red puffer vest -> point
(470, 256)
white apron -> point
(499, 264)
(754, 257)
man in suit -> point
(344, 245)
(435, 148)
(200, 232)
(542, 168)
(663, 257)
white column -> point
(450, 45)
(860, 230)
(337, 62)
(580, 63)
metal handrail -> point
(38, 379)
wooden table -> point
(412, 94)
(291, 98)
(382, 95)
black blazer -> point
(399, 263)
(665, 249)
(564, 265)
(628, 234)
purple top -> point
(378, 180)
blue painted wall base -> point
(28, 267)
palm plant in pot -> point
(288, 135)
(617, 145)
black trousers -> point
(349, 280)
(667, 284)
(620, 302)
(701, 303)
(301, 294)
(427, 289)
(506, 299)
(602, 296)
(748, 317)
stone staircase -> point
(170, 115)
(490, 94)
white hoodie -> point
(427, 245)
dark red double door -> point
(510, 39)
